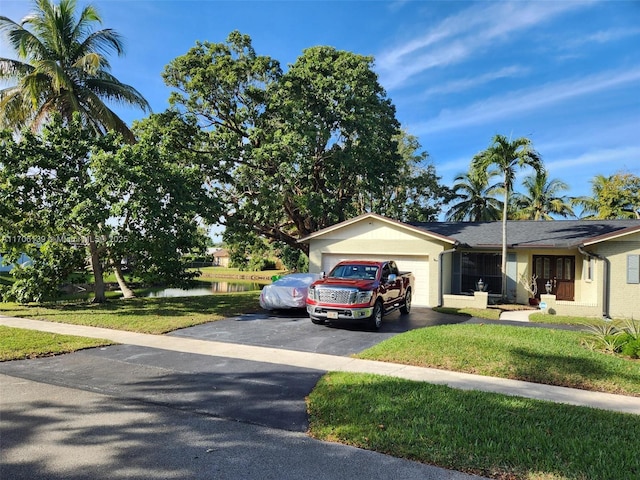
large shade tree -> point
(294, 152)
(541, 199)
(62, 67)
(508, 156)
(67, 194)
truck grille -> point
(336, 295)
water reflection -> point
(216, 286)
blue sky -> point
(565, 74)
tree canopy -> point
(541, 199)
(615, 196)
(68, 195)
(294, 152)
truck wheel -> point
(376, 318)
(406, 308)
(317, 321)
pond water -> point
(208, 288)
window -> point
(476, 266)
(589, 272)
(633, 268)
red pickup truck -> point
(360, 290)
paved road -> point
(136, 412)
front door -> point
(559, 271)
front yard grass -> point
(497, 436)
(18, 343)
(553, 357)
(144, 315)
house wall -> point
(378, 239)
(624, 298)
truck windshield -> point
(355, 272)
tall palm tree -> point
(474, 195)
(62, 68)
(507, 156)
(541, 199)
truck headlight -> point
(364, 296)
(311, 294)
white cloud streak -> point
(522, 101)
(459, 37)
(467, 83)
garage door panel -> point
(418, 265)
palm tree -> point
(507, 156)
(541, 199)
(62, 68)
(475, 198)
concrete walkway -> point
(517, 315)
(323, 362)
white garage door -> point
(419, 266)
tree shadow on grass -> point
(616, 376)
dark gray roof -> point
(530, 234)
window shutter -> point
(633, 268)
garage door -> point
(419, 266)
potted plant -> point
(530, 284)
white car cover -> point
(289, 291)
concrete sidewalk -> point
(323, 362)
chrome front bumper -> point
(330, 313)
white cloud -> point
(521, 101)
(460, 36)
(468, 83)
(624, 158)
(604, 36)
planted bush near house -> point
(631, 349)
(615, 337)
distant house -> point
(221, 258)
(23, 260)
(590, 267)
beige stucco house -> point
(590, 267)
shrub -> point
(615, 337)
(632, 349)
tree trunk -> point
(124, 288)
(504, 239)
(96, 266)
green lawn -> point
(18, 343)
(554, 357)
(493, 435)
(145, 315)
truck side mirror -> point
(392, 277)
(323, 274)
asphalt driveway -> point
(292, 330)
(213, 400)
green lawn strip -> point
(18, 343)
(144, 315)
(562, 319)
(553, 357)
(222, 272)
(484, 433)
